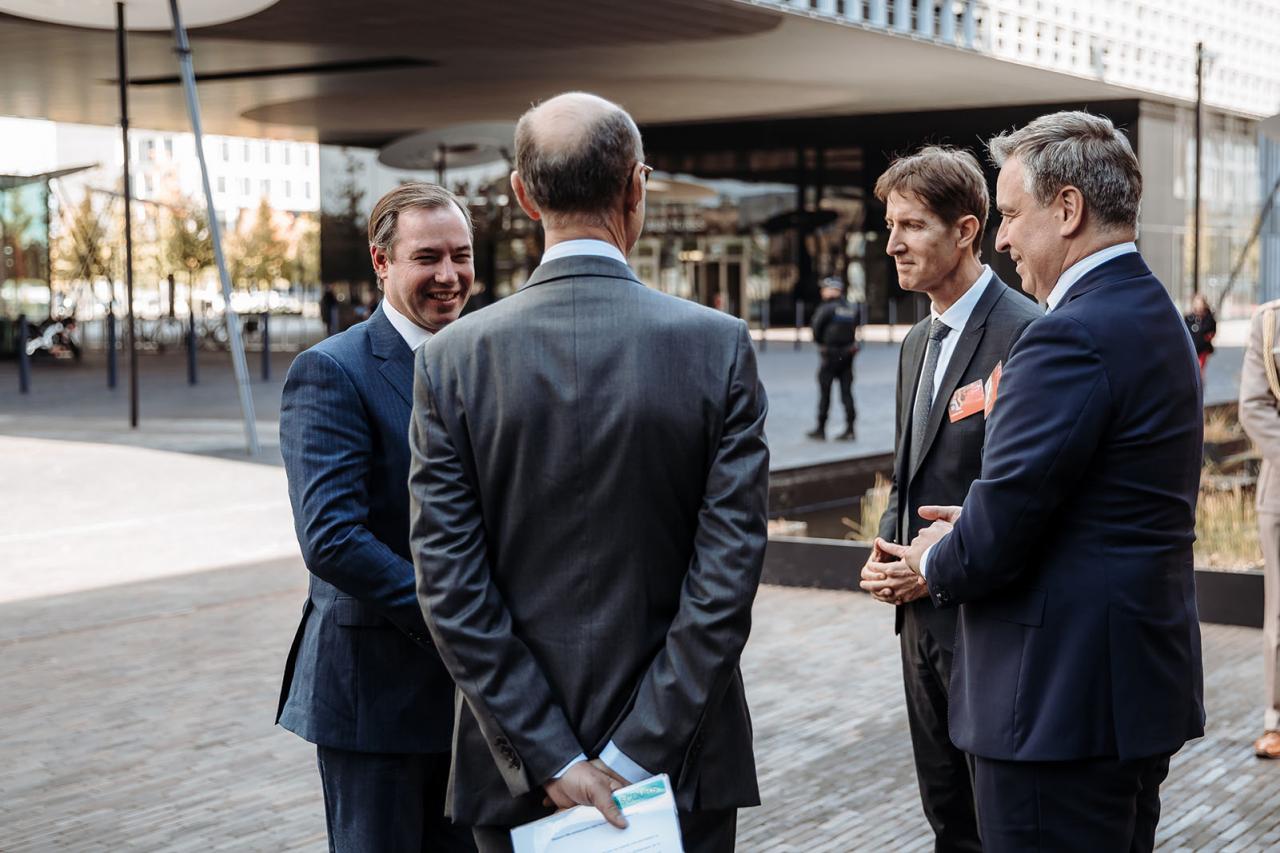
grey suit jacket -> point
(588, 485)
(952, 455)
(1260, 410)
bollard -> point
(266, 346)
(24, 361)
(764, 323)
(799, 321)
(191, 349)
(111, 349)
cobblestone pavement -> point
(138, 717)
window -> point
(222, 183)
(244, 150)
(306, 190)
(266, 187)
(244, 186)
(306, 156)
(266, 152)
(287, 148)
(226, 151)
(288, 189)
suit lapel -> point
(959, 363)
(387, 346)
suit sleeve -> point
(1051, 415)
(704, 643)
(889, 520)
(326, 444)
(522, 720)
(1259, 414)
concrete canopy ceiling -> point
(366, 73)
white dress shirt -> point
(414, 335)
(616, 759)
(588, 246)
(1069, 277)
(955, 318)
(1077, 271)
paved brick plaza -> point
(139, 717)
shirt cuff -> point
(581, 756)
(623, 766)
(924, 562)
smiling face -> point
(925, 249)
(1029, 232)
(427, 273)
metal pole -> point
(266, 346)
(122, 69)
(1195, 227)
(111, 349)
(24, 362)
(191, 340)
(183, 49)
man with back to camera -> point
(363, 681)
(936, 206)
(589, 527)
(835, 331)
(1077, 671)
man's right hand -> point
(584, 784)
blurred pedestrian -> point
(329, 310)
(835, 331)
(1202, 326)
(363, 681)
(1260, 417)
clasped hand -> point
(892, 572)
(588, 783)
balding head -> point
(575, 153)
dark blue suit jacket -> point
(1078, 636)
(362, 674)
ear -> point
(380, 262)
(635, 188)
(968, 231)
(1070, 211)
(522, 198)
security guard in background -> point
(835, 331)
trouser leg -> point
(846, 391)
(825, 378)
(942, 771)
(1269, 537)
(1095, 804)
(386, 801)
(709, 831)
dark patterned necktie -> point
(924, 394)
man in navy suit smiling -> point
(1077, 670)
(363, 681)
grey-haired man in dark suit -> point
(936, 204)
(589, 485)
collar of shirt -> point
(414, 335)
(958, 314)
(1077, 271)
(569, 248)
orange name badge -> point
(966, 401)
(992, 388)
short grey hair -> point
(586, 176)
(1081, 150)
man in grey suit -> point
(936, 204)
(589, 484)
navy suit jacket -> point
(362, 674)
(1078, 636)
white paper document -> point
(652, 825)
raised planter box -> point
(1223, 597)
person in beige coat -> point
(1260, 417)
